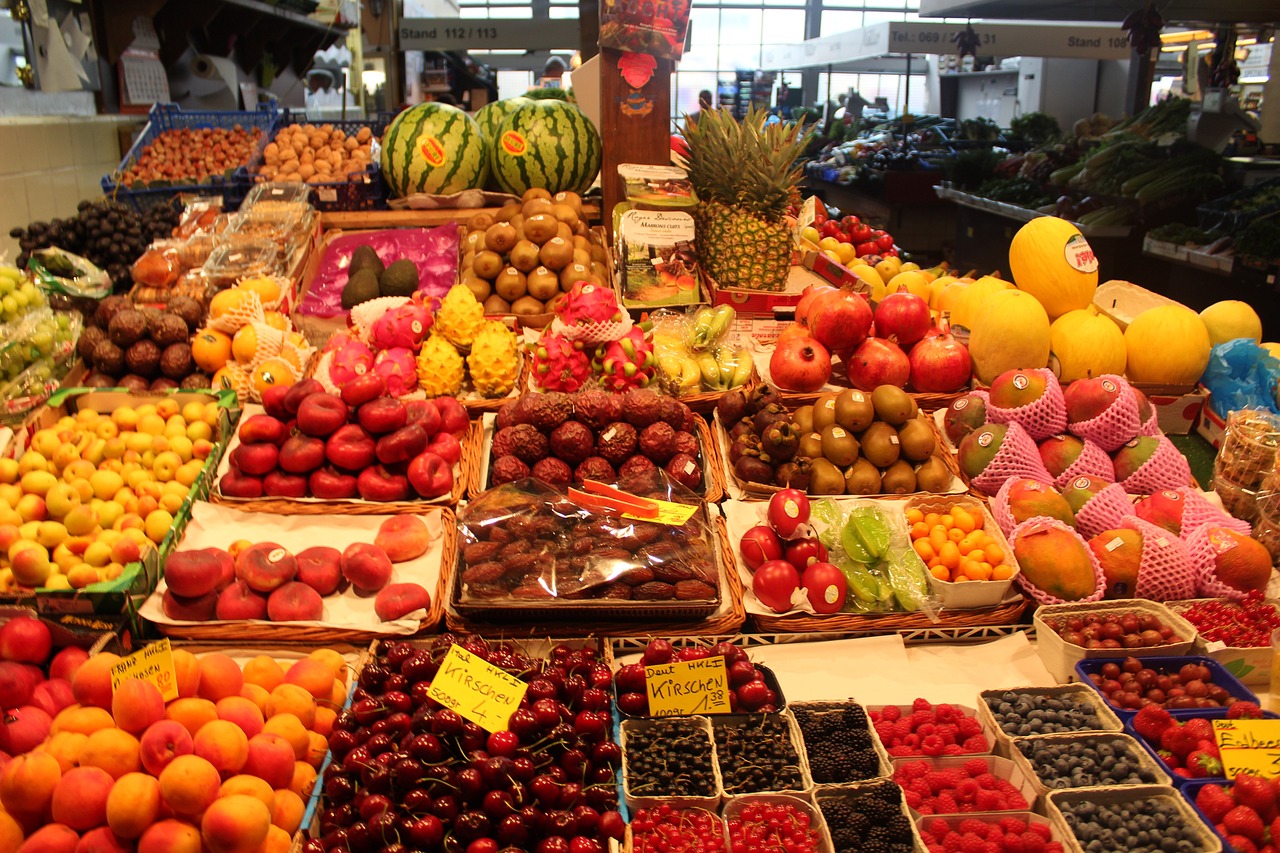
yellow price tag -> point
(152, 663)
(688, 687)
(1249, 746)
(669, 512)
(479, 691)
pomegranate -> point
(811, 294)
(800, 364)
(878, 362)
(840, 320)
(940, 364)
(904, 317)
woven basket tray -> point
(729, 621)
(285, 506)
(705, 402)
(880, 623)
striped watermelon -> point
(491, 115)
(433, 148)
(548, 144)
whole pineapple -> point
(459, 317)
(744, 174)
(440, 370)
(494, 362)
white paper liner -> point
(593, 333)
(321, 373)
(214, 526)
(270, 342)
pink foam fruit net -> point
(1034, 525)
(1045, 417)
(1117, 424)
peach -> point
(223, 745)
(235, 824)
(136, 705)
(188, 785)
(257, 696)
(192, 573)
(92, 682)
(366, 566)
(313, 675)
(162, 742)
(304, 779)
(249, 785)
(66, 748)
(52, 696)
(133, 804)
(325, 718)
(332, 659)
(82, 720)
(192, 713)
(10, 832)
(338, 698)
(398, 600)
(243, 712)
(27, 782)
(271, 758)
(220, 676)
(266, 566)
(66, 662)
(320, 568)
(170, 836)
(295, 602)
(403, 537)
(103, 840)
(187, 669)
(292, 699)
(277, 841)
(114, 751)
(288, 810)
(80, 798)
(263, 671)
(293, 730)
(316, 751)
(26, 728)
(202, 608)
(54, 838)
(238, 601)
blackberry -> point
(838, 743)
(868, 821)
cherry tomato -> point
(867, 248)
(861, 233)
(819, 213)
(885, 242)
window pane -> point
(688, 85)
(512, 83)
(783, 26)
(703, 52)
(563, 12)
(882, 17)
(839, 22)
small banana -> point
(742, 372)
(691, 376)
(710, 369)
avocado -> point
(361, 287)
(399, 279)
(365, 258)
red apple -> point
(26, 639)
(453, 416)
(66, 662)
(425, 414)
(16, 685)
(332, 485)
(236, 485)
(351, 448)
(401, 445)
(446, 446)
(430, 475)
(280, 484)
(53, 695)
(256, 428)
(321, 414)
(381, 484)
(383, 415)
(362, 389)
(273, 401)
(302, 454)
(255, 459)
(300, 391)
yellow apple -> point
(51, 534)
(125, 418)
(32, 460)
(97, 554)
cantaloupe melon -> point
(1086, 345)
(1010, 332)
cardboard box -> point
(1211, 426)
(1177, 407)
(834, 273)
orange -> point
(970, 542)
(919, 530)
(932, 519)
(963, 519)
(914, 516)
(267, 288)
(924, 548)
(211, 349)
(228, 301)
(1001, 573)
(995, 554)
(273, 371)
(938, 537)
(276, 320)
(955, 534)
(231, 377)
(948, 521)
(941, 573)
(244, 346)
(949, 555)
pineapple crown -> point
(747, 164)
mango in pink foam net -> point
(1017, 456)
(1167, 468)
(1183, 509)
(1118, 423)
(1056, 564)
(1045, 417)
(1032, 497)
(1103, 511)
(1216, 550)
(1093, 461)
(1165, 573)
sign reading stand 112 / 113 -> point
(490, 34)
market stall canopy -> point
(1238, 11)
(1074, 41)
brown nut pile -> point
(316, 155)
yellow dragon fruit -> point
(440, 370)
(459, 317)
(493, 361)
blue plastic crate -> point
(368, 192)
(1164, 665)
(1205, 713)
(165, 117)
(1189, 792)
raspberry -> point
(969, 726)
(938, 780)
(954, 749)
(1032, 842)
(921, 705)
(911, 770)
(1013, 826)
(932, 745)
(987, 779)
(986, 801)
(967, 789)
(890, 713)
(938, 828)
(900, 751)
(902, 728)
(976, 743)
(973, 825)
(976, 767)
(946, 804)
(926, 729)
(991, 847)
(947, 713)
(1012, 844)
(971, 843)
(1042, 830)
(912, 740)
(951, 843)
(919, 718)
(914, 800)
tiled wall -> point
(48, 164)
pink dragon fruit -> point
(405, 326)
(588, 303)
(627, 362)
(399, 368)
(559, 365)
(336, 342)
(350, 359)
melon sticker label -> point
(1081, 483)
(962, 403)
(1173, 496)
(1079, 254)
(514, 144)
(1108, 386)
(1020, 382)
(432, 150)
(985, 439)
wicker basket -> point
(729, 620)
(1137, 753)
(1206, 840)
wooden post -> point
(628, 136)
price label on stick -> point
(1249, 746)
(688, 687)
(152, 663)
(479, 691)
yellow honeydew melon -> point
(1051, 260)
(1168, 345)
(1231, 319)
(1010, 332)
(1086, 345)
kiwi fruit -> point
(534, 206)
(495, 304)
(524, 256)
(479, 288)
(526, 306)
(480, 222)
(898, 479)
(881, 445)
(810, 445)
(803, 419)
(542, 283)
(892, 404)
(535, 192)
(500, 237)
(473, 242)
(825, 479)
(824, 411)
(854, 410)
(510, 284)
(556, 254)
(487, 264)
(862, 478)
(932, 476)
(573, 273)
(917, 440)
(540, 227)
(839, 446)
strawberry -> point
(1244, 711)
(1210, 746)
(1151, 721)
(1215, 802)
(1168, 757)
(1178, 741)
(1241, 844)
(1255, 792)
(1201, 764)
(1199, 727)
(1243, 820)
(1275, 830)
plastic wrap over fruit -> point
(434, 251)
(400, 370)
(527, 541)
(350, 360)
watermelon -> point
(490, 116)
(547, 144)
(433, 148)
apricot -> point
(136, 705)
(235, 824)
(161, 743)
(27, 782)
(338, 698)
(170, 836)
(277, 841)
(80, 798)
(325, 718)
(264, 672)
(304, 779)
(292, 699)
(223, 744)
(10, 832)
(316, 752)
(289, 727)
(334, 660)
(192, 713)
(187, 668)
(91, 685)
(114, 751)
(82, 720)
(288, 810)
(243, 712)
(66, 747)
(189, 784)
(54, 838)
(103, 840)
(133, 804)
(314, 676)
(271, 758)
(220, 676)
(249, 785)
(257, 695)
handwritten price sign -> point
(1249, 746)
(688, 687)
(153, 663)
(476, 689)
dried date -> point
(479, 552)
(482, 573)
(654, 591)
(695, 591)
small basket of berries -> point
(1235, 634)
(1067, 633)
